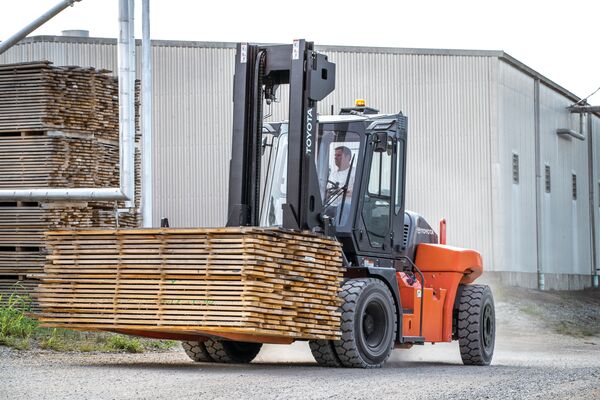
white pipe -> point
(147, 188)
(42, 19)
(104, 194)
(126, 99)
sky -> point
(555, 38)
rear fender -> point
(448, 267)
(442, 258)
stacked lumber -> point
(39, 96)
(222, 281)
(52, 159)
(59, 127)
(22, 227)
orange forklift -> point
(343, 176)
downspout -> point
(538, 186)
(147, 185)
(591, 200)
(126, 73)
(42, 19)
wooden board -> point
(180, 281)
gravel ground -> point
(531, 362)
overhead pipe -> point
(126, 73)
(147, 187)
(41, 20)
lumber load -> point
(163, 282)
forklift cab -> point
(360, 163)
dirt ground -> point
(548, 346)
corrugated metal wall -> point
(565, 230)
(469, 113)
(514, 205)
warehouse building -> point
(493, 145)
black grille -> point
(405, 237)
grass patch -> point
(21, 332)
(124, 343)
(16, 328)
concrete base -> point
(530, 280)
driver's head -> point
(343, 155)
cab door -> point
(373, 232)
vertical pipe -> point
(591, 199)
(126, 96)
(538, 185)
(147, 188)
(131, 102)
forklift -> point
(343, 176)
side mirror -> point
(380, 142)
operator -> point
(337, 179)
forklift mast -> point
(259, 70)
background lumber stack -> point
(253, 281)
(59, 127)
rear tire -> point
(368, 324)
(476, 325)
(196, 351)
(231, 352)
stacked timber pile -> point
(38, 96)
(59, 127)
(248, 281)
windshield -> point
(337, 157)
(336, 162)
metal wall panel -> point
(193, 100)
(565, 233)
(514, 204)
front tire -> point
(368, 324)
(324, 353)
(231, 352)
(476, 325)
(196, 351)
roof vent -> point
(76, 33)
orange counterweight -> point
(444, 268)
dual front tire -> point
(222, 351)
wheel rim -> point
(488, 326)
(374, 324)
